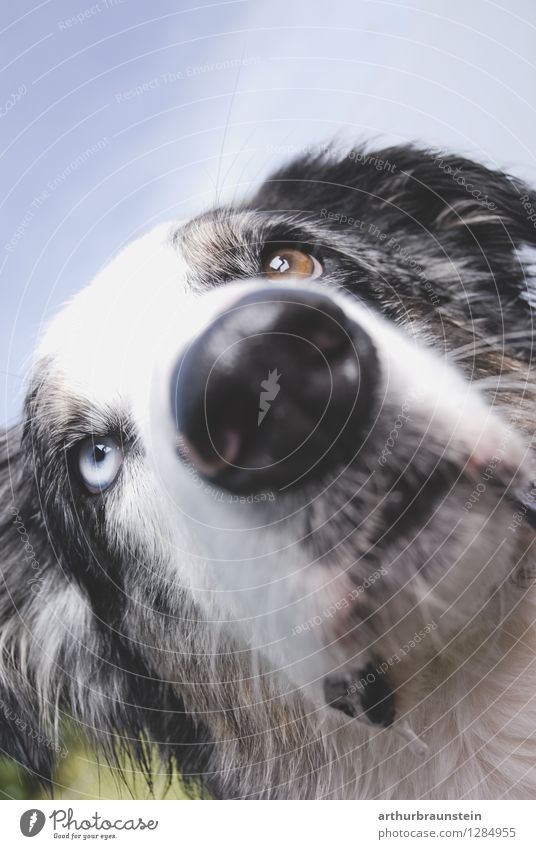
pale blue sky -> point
(116, 115)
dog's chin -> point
(441, 588)
(371, 642)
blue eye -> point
(99, 461)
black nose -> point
(276, 391)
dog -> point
(270, 507)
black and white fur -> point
(163, 611)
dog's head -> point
(306, 418)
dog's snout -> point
(274, 390)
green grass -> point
(81, 775)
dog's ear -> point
(407, 190)
(24, 561)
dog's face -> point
(280, 414)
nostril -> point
(226, 451)
(230, 443)
(324, 350)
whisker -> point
(496, 381)
(218, 187)
(489, 341)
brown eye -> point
(290, 262)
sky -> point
(120, 114)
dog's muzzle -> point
(278, 389)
